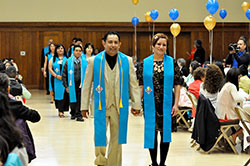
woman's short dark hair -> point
(158, 36)
(56, 55)
(199, 73)
(2, 67)
(86, 46)
(233, 77)
(220, 65)
(243, 70)
(213, 79)
(194, 65)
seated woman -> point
(212, 84)
(194, 88)
(189, 79)
(4, 150)
(228, 99)
(10, 132)
(244, 82)
(199, 76)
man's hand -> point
(67, 89)
(42, 70)
(174, 110)
(135, 112)
(85, 114)
(232, 52)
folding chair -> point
(244, 116)
(180, 116)
(225, 126)
(193, 100)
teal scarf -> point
(71, 79)
(149, 100)
(100, 100)
(50, 86)
(58, 84)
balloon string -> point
(135, 60)
(153, 28)
(211, 45)
(149, 36)
(249, 30)
(223, 47)
(174, 43)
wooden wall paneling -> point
(32, 37)
(127, 44)
(183, 45)
(143, 45)
(204, 37)
(3, 48)
(34, 60)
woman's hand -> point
(59, 77)
(174, 110)
(44, 74)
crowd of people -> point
(100, 85)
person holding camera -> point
(238, 53)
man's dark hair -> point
(78, 39)
(86, 46)
(77, 46)
(74, 39)
(111, 33)
(11, 72)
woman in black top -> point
(159, 44)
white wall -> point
(112, 10)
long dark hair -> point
(4, 83)
(56, 55)
(49, 47)
(233, 77)
(8, 129)
(4, 149)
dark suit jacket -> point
(206, 126)
(243, 59)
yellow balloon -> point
(135, 2)
(175, 29)
(209, 22)
(147, 17)
(245, 6)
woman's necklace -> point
(158, 68)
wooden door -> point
(44, 37)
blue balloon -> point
(248, 13)
(212, 6)
(173, 14)
(154, 14)
(223, 13)
(135, 21)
